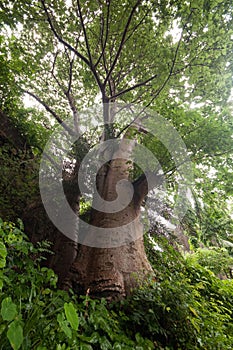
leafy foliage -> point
(185, 307)
(20, 163)
(18, 180)
(217, 260)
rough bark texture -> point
(113, 272)
(39, 227)
(109, 272)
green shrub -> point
(184, 307)
(215, 259)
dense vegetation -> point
(186, 307)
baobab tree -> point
(75, 54)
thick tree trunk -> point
(39, 227)
(110, 272)
(113, 271)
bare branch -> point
(60, 39)
(67, 92)
(104, 43)
(70, 47)
(85, 33)
(74, 110)
(218, 154)
(53, 74)
(52, 161)
(71, 65)
(122, 41)
(54, 114)
(54, 62)
(135, 86)
(70, 75)
(138, 24)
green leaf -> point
(1, 280)
(2, 328)
(71, 315)
(117, 346)
(193, 311)
(93, 339)
(8, 309)
(3, 254)
(195, 325)
(84, 346)
(15, 335)
(62, 347)
(64, 326)
(105, 344)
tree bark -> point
(110, 272)
(113, 272)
